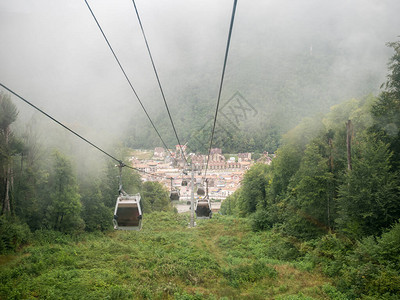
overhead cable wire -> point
(221, 83)
(59, 123)
(158, 80)
(126, 77)
(120, 162)
(148, 173)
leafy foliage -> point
(310, 202)
(386, 111)
(155, 197)
(308, 190)
(369, 197)
(64, 206)
(13, 234)
(253, 192)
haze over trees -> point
(288, 59)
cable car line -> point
(120, 162)
(158, 79)
(221, 83)
(127, 214)
(126, 77)
(61, 124)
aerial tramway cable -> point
(126, 77)
(126, 204)
(158, 80)
(120, 162)
(221, 83)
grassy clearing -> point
(142, 154)
(219, 259)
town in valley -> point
(224, 171)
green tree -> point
(8, 114)
(30, 179)
(64, 206)
(369, 198)
(96, 215)
(386, 111)
(230, 206)
(253, 191)
(155, 197)
(309, 206)
(284, 166)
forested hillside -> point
(287, 76)
(279, 98)
(334, 185)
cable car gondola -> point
(174, 196)
(203, 208)
(200, 191)
(128, 213)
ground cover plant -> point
(221, 258)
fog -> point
(53, 54)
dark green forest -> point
(330, 198)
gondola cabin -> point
(200, 191)
(174, 196)
(203, 209)
(128, 213)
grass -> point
(143, 154)
(221, 258)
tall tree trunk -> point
(6, 209)
(349, 128)
(329, 187)
(11, 191)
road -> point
(215, 206)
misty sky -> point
(52, 53)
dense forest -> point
(334, 186)
(331, 196)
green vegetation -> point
(320, 222)
(221, 258)
(142, 154)
(155, 197)
(334, 187)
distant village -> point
(224, 173)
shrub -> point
(247, 273)
(260, 220)
(331, 251)
(373, 268)
(389, 246)
(274, 245)
(369, 269)
(13, 234)
(48, 237)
